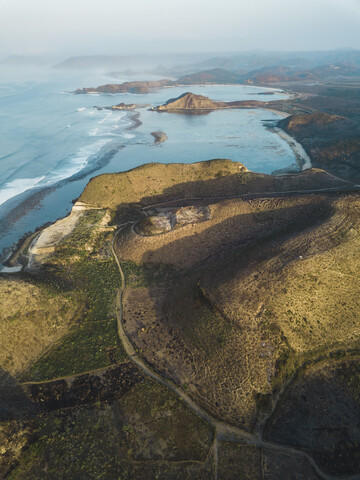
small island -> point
(159, 137)
(123, 106)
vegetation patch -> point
(92, 342)
(147, 274)
(148, 433)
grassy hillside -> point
(233, 301)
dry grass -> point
(111, 190)
(233, 224)
(307, 286)
(158, 182)
(279, 279)
(32, 318)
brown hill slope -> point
(238, 295)
(215, 75)
(332, 141)
(190, 101)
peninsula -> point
(126, 87)
(195, 320)
(120, 338)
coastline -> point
(302, 158)
(134, 117)
(33, 199)
(35, 196)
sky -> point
(118, 27)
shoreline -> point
(29, 203)
(36, 195)
(299, 151)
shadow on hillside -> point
(228, 185)
(252, 185)
(14, 401)
(319, 413)
(259, 235)
(240, 233)
(248, 183)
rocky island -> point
(123, 106)
(208, 77)
(159, 137)
(190, 102)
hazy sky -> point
(137, 26)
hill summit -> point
(190, 101)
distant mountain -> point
(23, 60)
(297, 60)
(101, 61)
(247, 62)
(114, 62)
(215, 75)
(277, 74)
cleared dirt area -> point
(162, 220)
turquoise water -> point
(52, 142)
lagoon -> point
(52, 142)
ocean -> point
(52, 141)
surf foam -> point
(20, 185)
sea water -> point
(52, 141)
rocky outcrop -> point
(331, 141)
(307, 123)
(123, 106)
(190, 101)
(159, 137)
